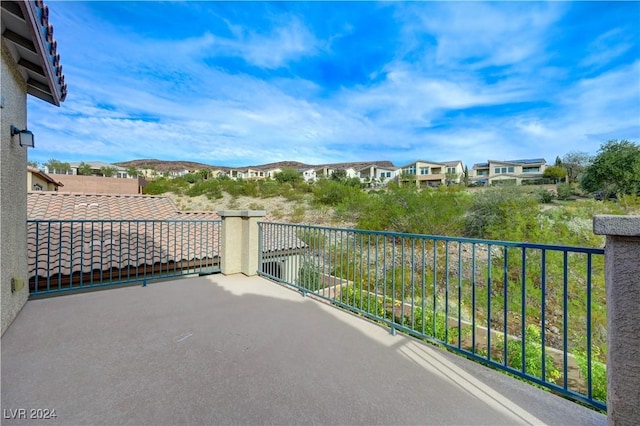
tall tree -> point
(339, 174)
(555, 172)
(450, 178)
(84, 169)
(204, 173)
(558, 161)
(288, 175)
(108, 171)
(615, 170)
(57, 167)
(466, 176)
(574, 163)
(33, 164)
(133, 171)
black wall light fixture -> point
(25, 137)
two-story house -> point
(38, 180)
(510, 172)
(373, 175)
(431, 174)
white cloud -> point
(139, 97)
(475, 35)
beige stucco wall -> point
(13, 196)
(34, 179)
(98, 184)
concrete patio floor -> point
(244, 350)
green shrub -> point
(256, 206)
(545, 196)
(406, 209)
(503, 214)
(598, 373)
(630, 202)
(309, 277)
(532, 352)
(210, 188)
(298, 214)
(331, 192)
(564, 191)
(157, 187)
(269, 188)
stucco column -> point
(622, 276)
(240, 241)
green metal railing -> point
(71, 255)
(536, 311)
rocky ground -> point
(278, 209)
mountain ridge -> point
(176, 165)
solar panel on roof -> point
(527, 161)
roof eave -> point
(32, 14)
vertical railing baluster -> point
(459, 294)
(505, 307)
(413, 283)
(434, 330)
(543, 306)
(36, 278)
(489, 253)
(393, 281)
(375, 271)
(565, 321)
(446, 291)
(60, 238)
(589, 359)
(423, 282)
(523, 320)
(473, 298)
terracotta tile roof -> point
(276, 237)
(66, 247)
(113, 240)
(79, 206)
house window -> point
(482, 172)
(499, 170)
(410, 170)
(424, 170)
(531, 170)
(37, 187)
(451, 169)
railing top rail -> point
(575, 249)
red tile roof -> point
(114, 231)
(77, 206)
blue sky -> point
(243, 83)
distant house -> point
(424, 173)
(324, 172)
(247, 174)
(373, 175)
(38, 180)
(96, 169)
(270, 173)
(510, 172)
(308, 174)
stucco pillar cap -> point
(621, 226)
(242, 213)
